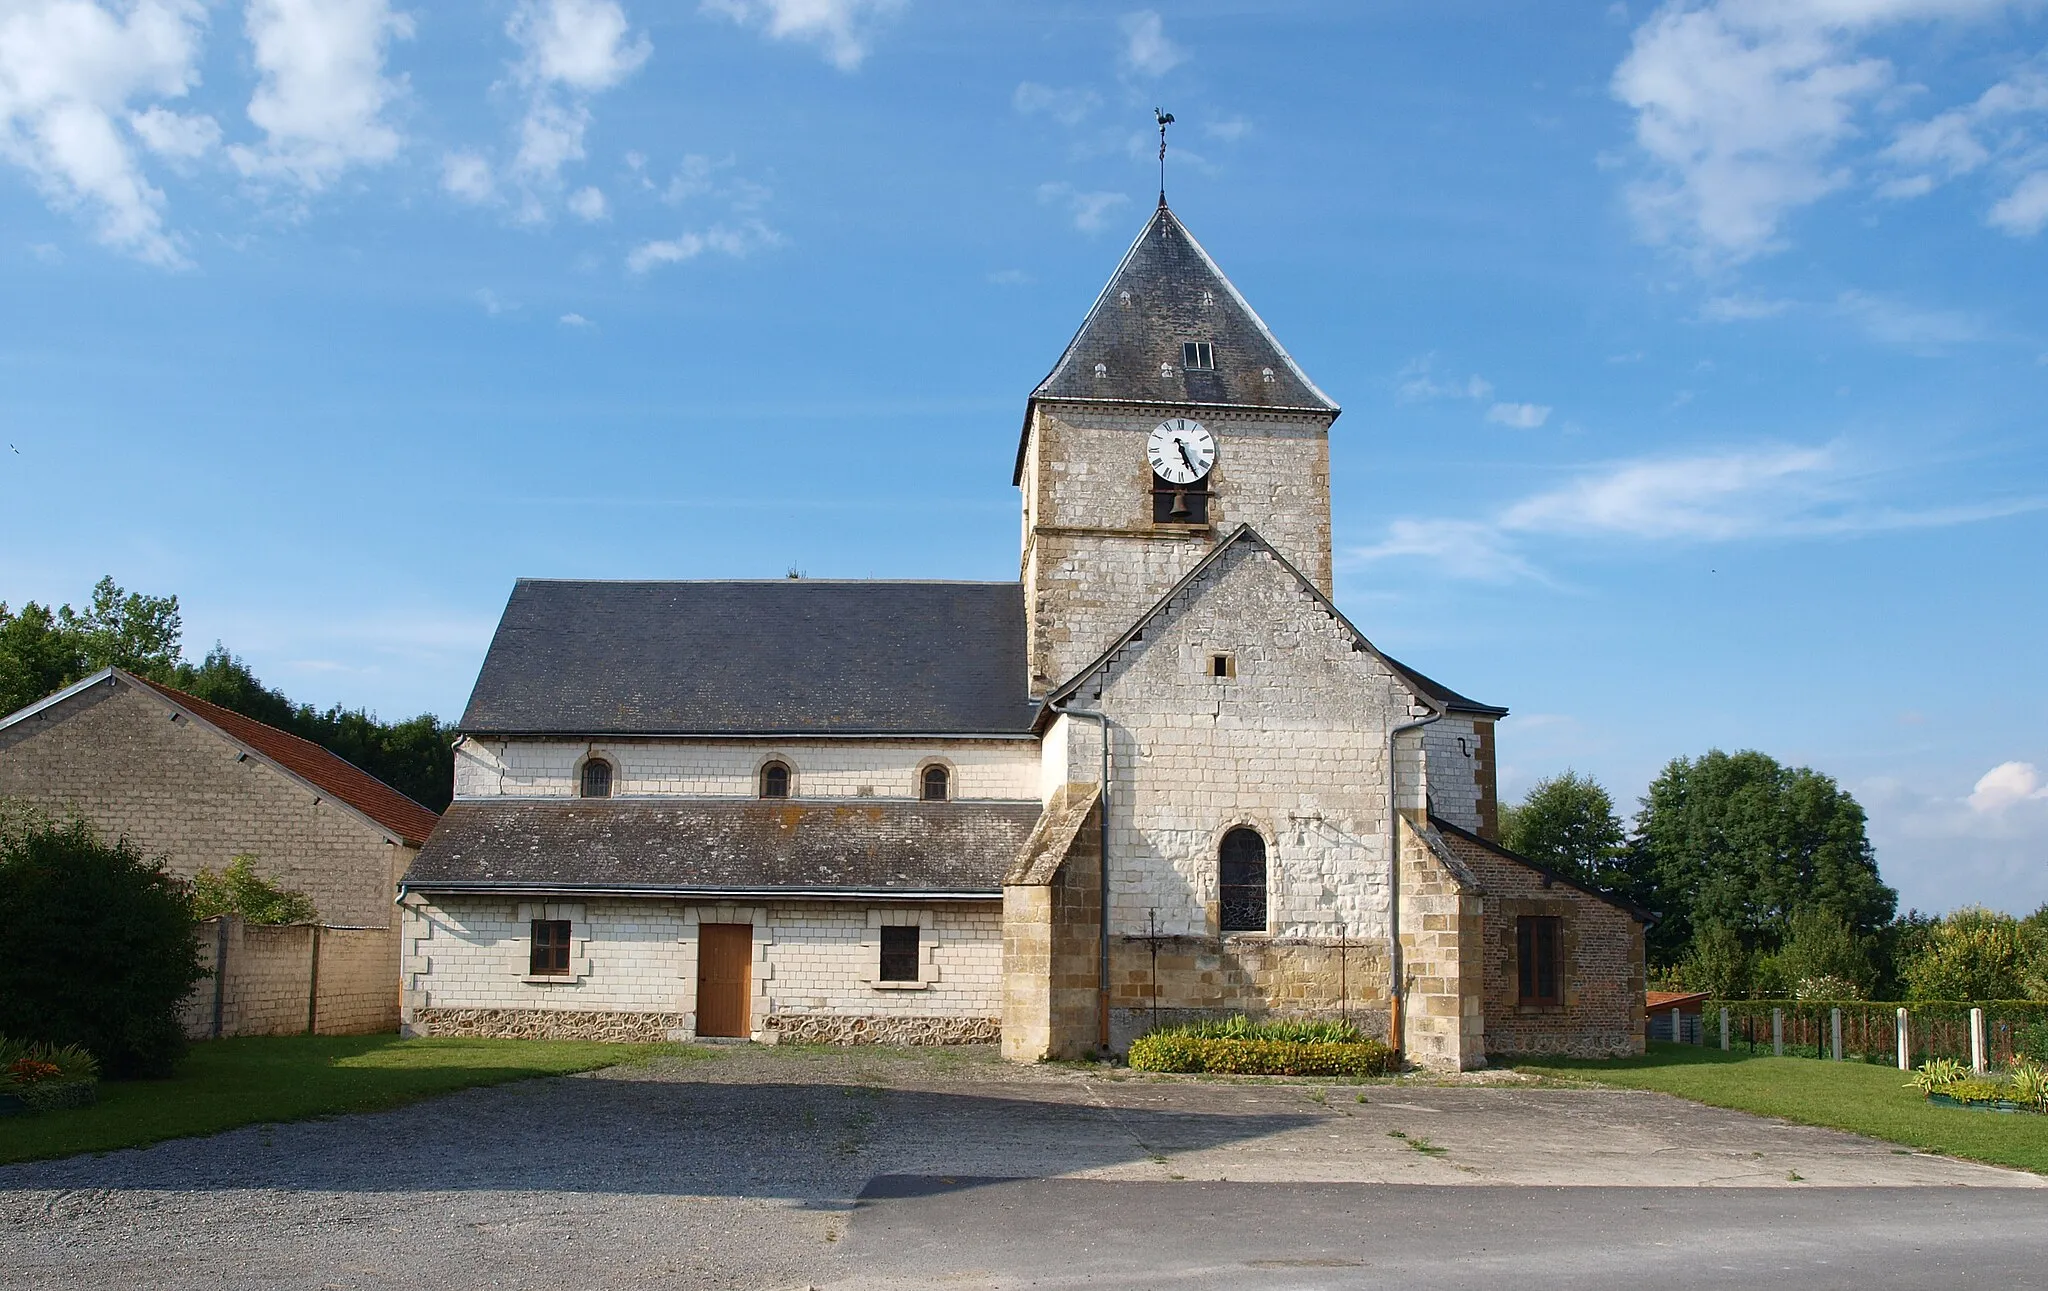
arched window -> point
(597, 778)
(1242, 865)
(775, 780)
(937, 784)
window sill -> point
(900, 986)
(550, 979)
(1539, 1008)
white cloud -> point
(69, 72)
(725, 240)
(1069, 107)
(1146, 47)
(2006, 786)
(468, 176)
(1910, 327)
(576, 320)
(1009, 278)
(1726, 497)
(323, 93)
(1229, 129)
(492, 303)
(588, 205)
(1743, 108)
(842, 29)
(1521, 416)
(169, 134)
(570, 50)
(1741, 309)
(1089, 211)
(2024, 211)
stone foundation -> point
(828, 1028)
(551, 1024)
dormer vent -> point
(1165, 370)
(1266, 375)
(1101, 371)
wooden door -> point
(725, 956)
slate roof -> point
(781, 657)
(724, 845)
(1155, 301)
(1471, 847)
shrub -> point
(1936, 1075)
(48, 1077)
(100, 948)
(1240, 1027)
(1169, 1051)
(239, 890)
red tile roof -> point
(1665, 1001)
(340, 778)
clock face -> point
(1181, 451)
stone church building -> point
(1160, 776)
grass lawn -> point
(225, 1083)
(1853, 1096)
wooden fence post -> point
(1777, 1033)
(1977, 1063)
(1835, 1026)
(1905, 1046)
(1724, 1030)
(220, 973)
(313, 986)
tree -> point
(1718, 962)
(1973, 954)
(44, 650)
(1742, 841)
(100, 948)
(1822, 959)
(240, 891)
(1567, 822)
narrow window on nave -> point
(775, 780)
(597, 778)
(1241, 862)
(937, 784)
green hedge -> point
(1179, 1051)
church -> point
(1158, 777)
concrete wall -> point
(634, 969)
(114, 756)
(1093, 560)
(1005, 770)
(274, 974)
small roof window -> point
(1197, 356)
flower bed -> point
(1240, 1047)
(1947, 1083)
(45, 1078)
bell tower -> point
(1173, 417)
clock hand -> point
(1185, 455)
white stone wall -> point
(1452, 746)
(1294, 746)
(640, 955)
(489, 767)
(1092, 559)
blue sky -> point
(1693, 356)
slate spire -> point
(1166, 294)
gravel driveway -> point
(743, 1170)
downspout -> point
(1101, 719)
(1396, 980)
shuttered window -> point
(1539, 959)
(899, 954)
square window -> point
(1539, 960)
(899, 954)
(1222, 665)
(550, 957)
(1197, 356)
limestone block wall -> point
(1293, 746)
(1463, 787)
(275, 973)
(1005, 770)
(116, 757)
(1093, 560)
(1050, 965)
(1443, 1020)
(468, 955)
(1170, 980)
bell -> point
(1179, 510)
